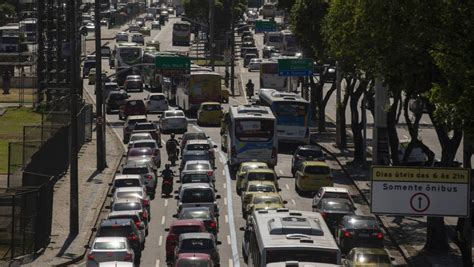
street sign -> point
(173, 64)
(295, 67)
(265, 26)
(420, 191)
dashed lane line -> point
(287, 187)
(228, 240)
(226, 219)
(157, 263)
(160, 240)
(163, 219)
(166, 202)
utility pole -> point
(211, 31)
(99, 98)
(380, 154)
(74, 192)
(232, 50)
(340, 127)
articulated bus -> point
(126, 56)
(292, 113)
(197, 87)
(181, 33)
(251, 135)
(269, 78)
(284, 235)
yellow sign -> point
(420, 174)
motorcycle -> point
(173, 156)
(167, 187)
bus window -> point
(254, 129)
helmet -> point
(172, 135)
(167, 166)
(250, 80)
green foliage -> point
(7, 11)
(286, 5)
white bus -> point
(272, 39)
(197, 87)
(126, 55)
(251, 135)
(288, 43)
(292, 113)
(288, 235)
(269, 78)
(181, 33)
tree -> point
(7, 11)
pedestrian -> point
(226, 79)
(6, 82)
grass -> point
(11, 129)
(14, 96)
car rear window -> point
(196, 167)
(198, 147)
(127, 183)
(195, 214)
(336, 195)
(141, 170)
(211, 107)
(135, 103)
(140, 152)
(310, 153)
(261, 176)
(157, 97)
(174, 114)
(266, 200)
(317, 170)
(182, 229)
(195, 178)
(144, 126)
(336, 206)
(261, 188)
(110, 245)
(115, 231)
(197, 244)
(127, 206)
(134, 121)
(143, 144)
(197, 195)
(129, 194)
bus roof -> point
(250, 111)
(127, 44)
(204, 72)
(272, 95)
(292, 228)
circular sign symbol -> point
(419, 202)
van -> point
(248, 50)
(268, 10)
(272, 39)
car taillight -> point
(347, 234)
(149, 177)
(132, 237)
(146, 202)
(90, 257)
(210, 173)
(213, 225)
(127, 257)
(379, 235)
(274, 152)
(233, 151)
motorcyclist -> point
(167, 183)
(167, 173)
(249, 87)
(172, 145)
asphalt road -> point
(162, 209)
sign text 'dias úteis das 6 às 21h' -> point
(420, 191)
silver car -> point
(156, 102)
(132, 193)
(130, 204)
(105, 249)
(197, 195)
(146, 172)
(135, 216)
(139, 136)
(121, 37)
(173, 121)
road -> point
(230, 207)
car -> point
(248, 57)
(132, 107)
(138, 38)
(261, 201)
(145, 31)
(416, 158)
(122, 228)
(104, 22)
(248, 38)
(192, 166)
(267, 51)
(198, 243)
(134, 216)
(146, 172)
(177, 228)
(151, 128)
(127, 181)
(164, 14)
(209, 113)
(133, 28)
(90, 27)
(91, 76)
(133, 192)
(156, 102)
(195, 155)
(257, 175)
(130, 123)
(88, 65)
(248, 50)
(111, 87)
(204, 214)
(121, 37)
(191, 136)
(358, 231)
(130, 204)
(332, 192)
(360, 257)
(114, 100)
(142, 153)
(305, 153)
(311, 176)
(246, 33)
(139, 136)
(197, 195)
(173, 121)
(201, 145)
(149, 16)
(105, 249)
(193, 259)
(155, 25)
(133, 83)
(170, 10)
(254, 64)
(333, 209)
(246, 166)
(197, 177)
(116, 264)
(254, 187)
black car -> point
(123, 228)
(358, 231)
(88, 65)
(333, 209)
(114, 100)
(305, 153)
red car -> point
(132, 107)
(193, 259)
(177, 228)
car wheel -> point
(108, 111)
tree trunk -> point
(436, 238)
(320, 105)
(356, 124)
(392, 129)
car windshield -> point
(261, 188)
(197, 195)
(140, 152)
(127, 182)
(157, 97)
(211, 107)
(198, 147)
(193, 263)
(197, 166)
(140, 137)
(197, 244)
(129, 194)
(307, 153)
(264, 176)
(144, 126)
(254, 130)
(195, 214)
(195, 178)
(139, 170)
(246, 168)
(336, 206)
(127, 206)
(174, 114)
(115, 230)
(182, 229)
(117, 96)
(135, 103)
(267, 200)
(317, 170)
(110, 245)
(372, 258)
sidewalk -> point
(407, 233)
(93, 188)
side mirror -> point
(218, 196)
(94, 229)
(285, 202)
(108, 207)
(160, 146)
(180, 157)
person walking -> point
(6, 82)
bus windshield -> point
(299, 254)
(270, 68)
(291, 113)
(257, 130)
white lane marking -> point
(293, 201)
(160, 241)
(166, 202)
(224, 185)
(243, 91)
(197, 128)
(163, 220)
(223, 172)
(157, 263)
(225, 201)
(287, 186)
(226, 219)
(228, 239)
(281, 172)
(221, 162)
(233, 236)
(231, 264)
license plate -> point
(364, 235)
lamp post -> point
(100, 120)
(232, 50)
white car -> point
(173, 121)
(149, 16)
(155, 24)
(105, 249)
(156, 102)
(331, 192)
(200, 166)
(138, 38)
(121, 37)
(90, 27)
(254, 64)
(139, 136)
